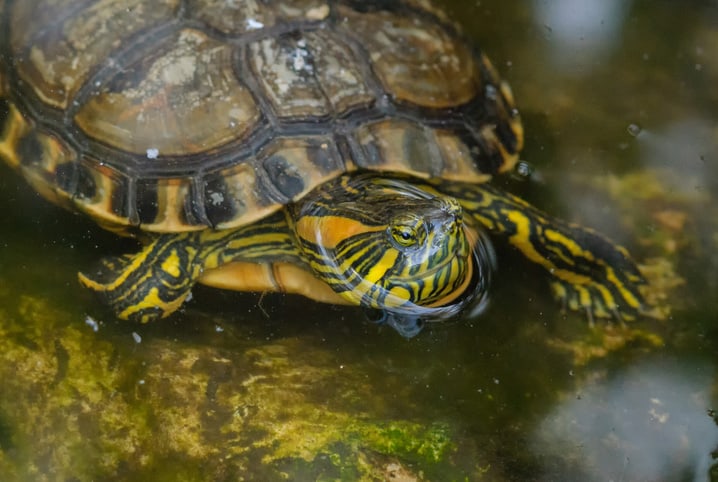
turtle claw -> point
(596, 301)
(589, 315)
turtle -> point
(338, 149)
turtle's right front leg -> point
(154, 283)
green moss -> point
(417, 442)
(85, 407)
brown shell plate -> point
(176, 115)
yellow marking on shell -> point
(241, 181)
(513, 120)
(509, 158)
(15, 128)
(100, 209)
(171, 196)
(41, 175)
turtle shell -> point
(173, 115)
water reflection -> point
(648, 422)
(689, 143)
(575, 35)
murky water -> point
(620, 104)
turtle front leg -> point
(588, 272)
(154, 283)
(151, 284)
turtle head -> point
(386, 244)
(427, 253)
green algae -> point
(80, 407)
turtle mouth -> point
(471, 297)
(467, 299)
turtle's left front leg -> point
(588, 272)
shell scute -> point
(60, 44)
(309, 75)
(417, 61)
(182, 99)
(252, 16)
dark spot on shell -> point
(86, 187)
(218, 202)
(325, 158)
(284, 177)
(30, 149)
(147, 203)
(65, 177)
(118, 200)
(193, 214)
(375, 5)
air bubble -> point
(524, 169)
(634, 129)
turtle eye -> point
(404, 235)
(407, 231)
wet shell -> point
(173, 116)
